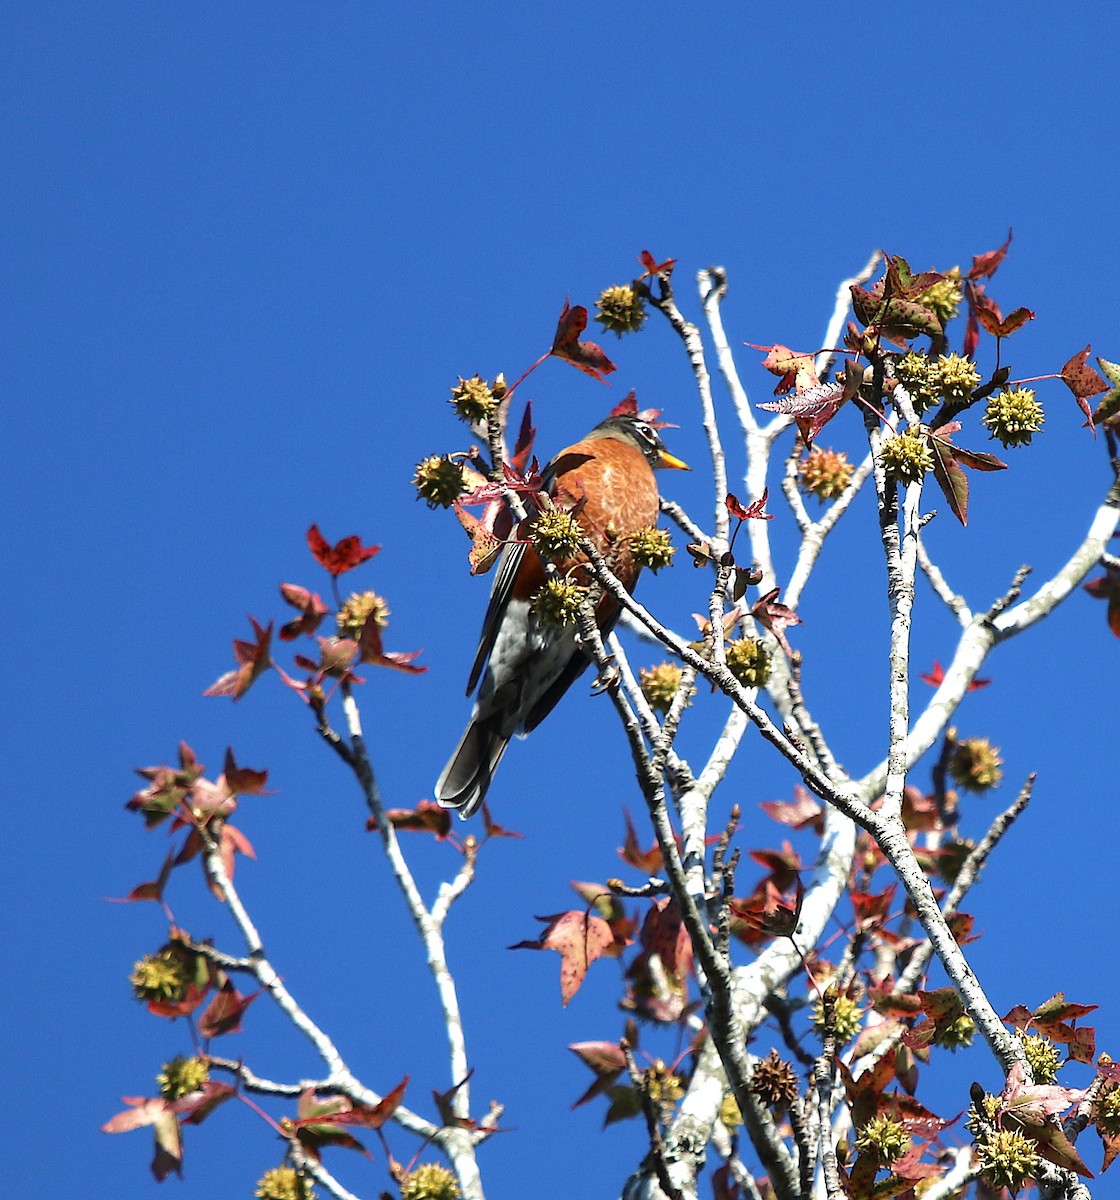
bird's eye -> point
(645, 431)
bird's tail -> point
(466, 778)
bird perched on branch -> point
(527, 659)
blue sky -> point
(249, 248)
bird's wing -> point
(499, 599)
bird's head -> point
(641, 434)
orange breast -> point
(619, 492)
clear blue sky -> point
(248, 248)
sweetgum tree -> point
(757, 1048)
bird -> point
(523, 668)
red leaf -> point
(936, 676)
(312, 611)
(989, 317)
(1083, 381)
(754, 510)
(605, 1059)
(587, 356)
(223, 1014)
(244, 781)
(580, 939)
(352, 1114)
(253, 658)
(803, 813)
(812, 408)
(647, 861)
(795, 369)
(950, 478)
(653, 267)
(771, 614)
(371, 650)
(169, 1139)
(152, 890)
(663, 933)
(984, 266)
(486, 549)
(1107, 587)
(426, 817)
(343, 556)
(195, 1107)
(526, 435)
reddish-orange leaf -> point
(426, 817)
(580, 939)
(935, 676)
(663, 933)
(312, 611)
(587, 356)
(253, 658)
(605, 1059)
(649, 861)
(754, 510)
(1107, 587)
(343, 556)
(653, 267)
(223, 1014)
(988, 316)
(984, 266)
(526, 435)
(153, 890)
(373, 652)
(802, 813)
(244, 781)
(1083, 381)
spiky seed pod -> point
(883, 1139)
(774, 1082)
(944, 297)
(284, 1183)
(953, 377)
(659, 684)
(824, 473)
(975, 765)
(1006, 1159)
(556, 534)
(907, 457)
(429, 1181)
(1043, 1057)
(181, 1076)
(357, 609)
(749, 661)
(958, 1033)
(1106, 1111)
(663, 1086)
(952, 858)
(849, 1018)
(439, 481)
(474, 399)
(1014, 416)
(729, 1112)
(556, 603)
(162, 977)
(912, 371)
(651, 548)
(621, 309)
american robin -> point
(607, 480)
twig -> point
(653, 1124)
(664, 302)
(429, 928)
(956, 604)
(340, 1076)
(822, 1079)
